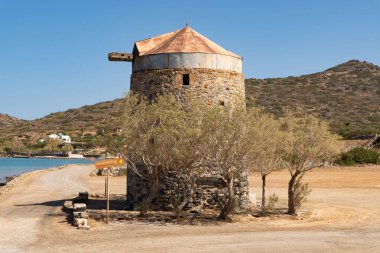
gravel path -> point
(36, 197)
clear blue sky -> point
(53, 54)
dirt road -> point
(342, 210)
(35, 198)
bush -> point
(359, 156)
(301, 191)
(273, 200)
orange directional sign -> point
(114, 162)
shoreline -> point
(11, 167)
(5, 189)
(44, 157)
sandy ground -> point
(340, 216)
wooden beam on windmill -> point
(120, 57)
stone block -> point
(83, 215)
(83, 197)
(79, 207)
(68, 206)
(81, 223)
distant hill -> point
(87, 119)
(347, 96)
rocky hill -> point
(7, 121)
(87, 119)
(347, 96)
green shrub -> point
(359, 156)
(301, 191)
(273, 200)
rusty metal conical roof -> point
(185, 40)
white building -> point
(62, 138)
(53, 136)
(65, 138)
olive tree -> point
(228, 145)
(268, 147)
(189, 152)
(310, 144)
(151, 130)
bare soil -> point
(340, 216)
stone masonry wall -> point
(211, 86)
(210, 191)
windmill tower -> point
(185, 62)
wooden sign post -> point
(108, 197)
(108, 163)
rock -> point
(83, 215)
(83, 197)
(68, 206)
(81, 223)
(79, 207)
(196, 209)
(8, 179)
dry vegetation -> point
(89, 118)
(347, 96)
(161, 135)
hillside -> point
(86, 119)
(89, 118)
(347, 96)
(7, 121)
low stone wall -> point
(210, 191)
(114, 172)
(4, 190)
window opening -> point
(186, 79)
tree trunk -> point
(187, 192)
(229, 206)
(184, 198)
(263, 178)
(180, 202)
(145, 206)
(291, 200)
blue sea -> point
(16, 166)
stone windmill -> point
(185, 62)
